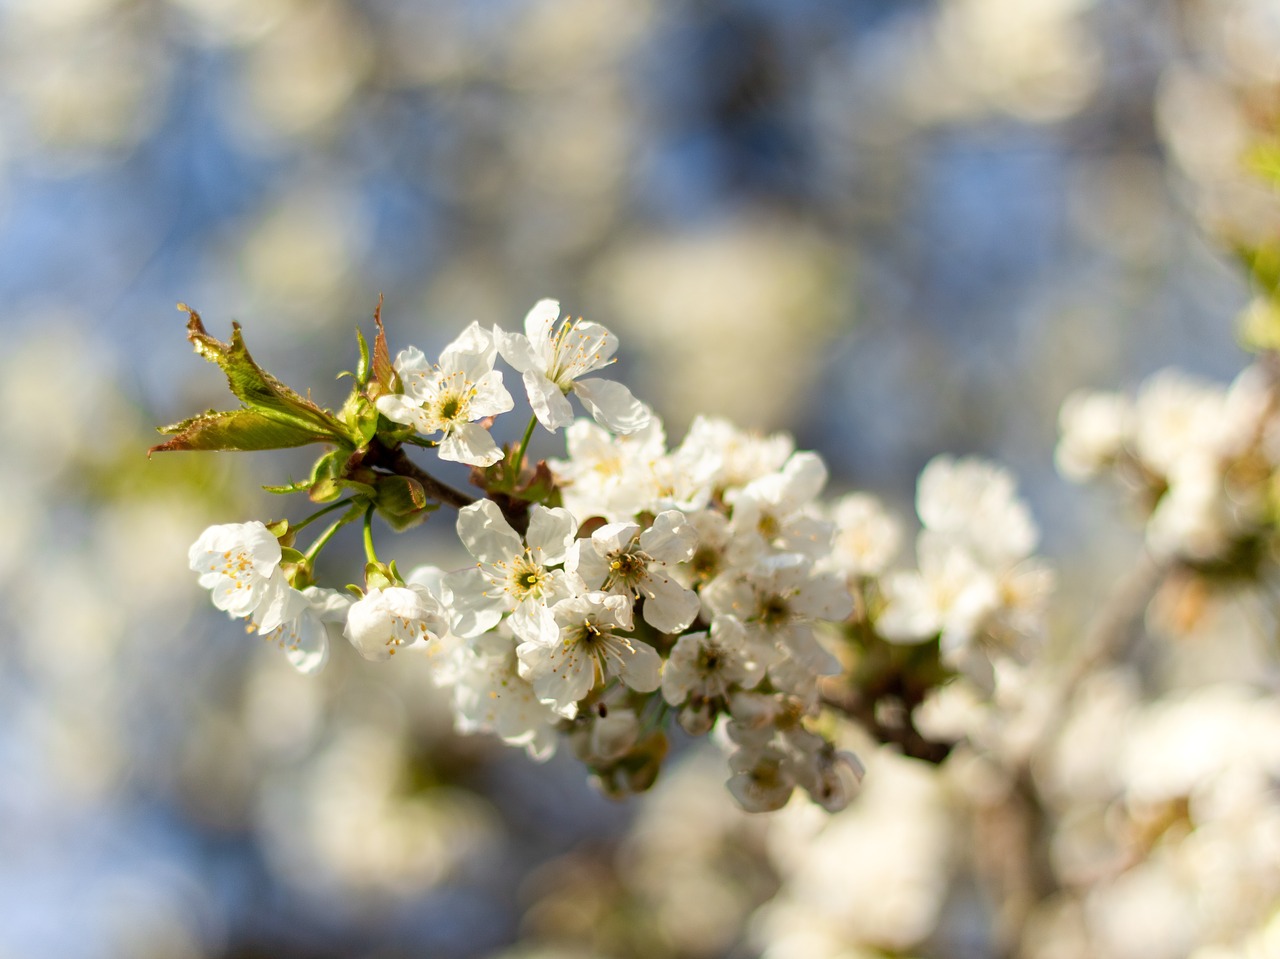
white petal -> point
(413, 368)
(473, 351)
(539, 321)
(517, 351)
(612, 405)
(547, 400)
(805, 476)
(671, 539)
(280, 603)
(639, 667)
(469, 443)
(550, 533)
(399, 409)
(613, 537)
(668, 606)
(486, 534)
(490, 397)
(824, 596)
(909, 615)
(534, 623)
(307, 645)
(477, 604)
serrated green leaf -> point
(236, 430)
(255, 387)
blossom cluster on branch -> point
(633, 585)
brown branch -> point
(397, 461)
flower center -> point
(774, 610)
(705, 562)
(769, 526)
(527, 578)
(450, 406)
(628, 567)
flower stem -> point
(323, 512)
(369, 552)
(524, 446)
(324, 538)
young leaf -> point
(236, 430)
(254, 387)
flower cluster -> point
(633, 584)
(1199, 458)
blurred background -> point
(894, 227)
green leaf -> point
(236, 430)
(255, 387)
(328, 466)
(365, 366)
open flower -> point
(705, 666)
(589, 650)
(240, 564)
(552, 359)
(394, 616)
(622, 560)
(304, 638)
(509, 575)
(449, 397)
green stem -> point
(524, 446)
(327, 535)
(316, 515)
(369, 552)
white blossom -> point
(974, 502)
(707, 665)
(867, 536)
(621, 558)
(589, 650)
(763, 779)
(491, 696)
(610, 476)
(1095, 427)
(304, 637)
(742, 456)
(388, 618)
(449, 397)
(553, 361)
(510, 576)
(951, 595)
(774, 511)
(778, 600)
(240, 564)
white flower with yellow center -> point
(511, 575)
(552, 361)
(490, 696)
(610, 476)
(451, 396)
(589, 650)
(951, 595)
(778, 600)
(304, 638)
(240, 564)
(705, 666)
(389, 618)
(623, 560)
